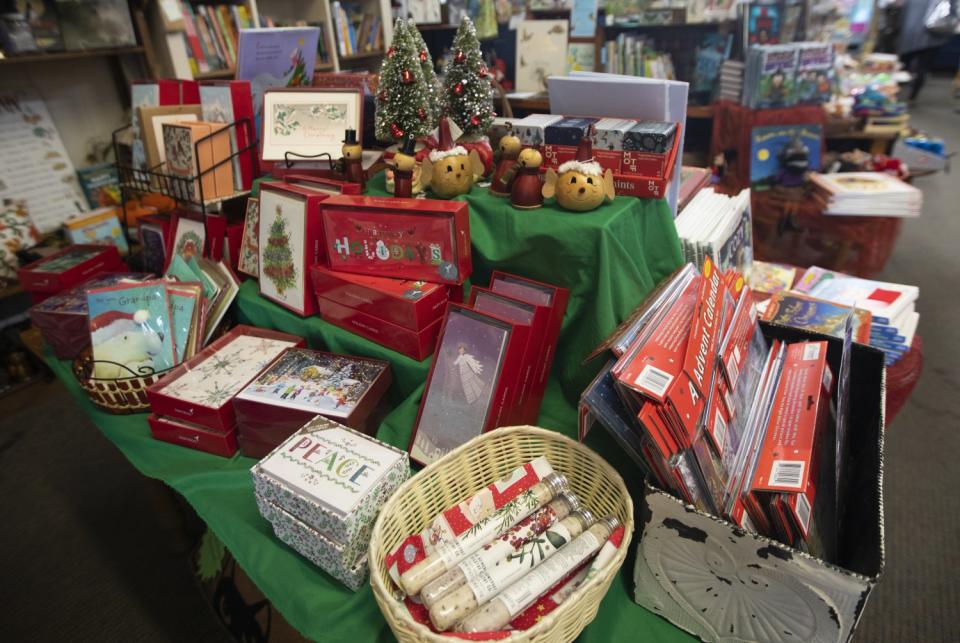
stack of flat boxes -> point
(322, 489)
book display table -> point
(610, 259)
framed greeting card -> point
(249, 259)
(308, 122)
(189, 236)
(472, 381)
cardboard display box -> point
(717, 581)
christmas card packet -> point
(130, 330)
(227, 288)
(186, 302)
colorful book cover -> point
(100, 184)
(279, 57)
(817, 315)
(768, 141)
(100, 226)
(815, 77)
(775, 86)
(771, 277)
(130, 329)
(763, 24)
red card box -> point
(417, 239)
(653, 187)
(413, 344)
(255, 449)
(218, 415)
(300, 210)
(274, 420)
(38, 279)
(329, 186)
(192, 436)
(414, 305)
(241, 100)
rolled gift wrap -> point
(485, 582)
(448, 554)
(503, 545)
(495, 614)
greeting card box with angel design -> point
(68, 268)
(290, 240)
(301, 384)
(417, 239)
(473, 383)
(201, 389)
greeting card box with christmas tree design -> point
(68, 268)
(411, 304)
(193, 436)
(201, 389)
(414, 344)
(417, 239)
(301, 384)
(334, 480)
(290, 241)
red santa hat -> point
(445, 146)
(113, 323)
(584, 163)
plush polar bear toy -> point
(123, 341)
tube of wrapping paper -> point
(457, 519)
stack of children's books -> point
(873, 194)
(800, 73)
(717, 226)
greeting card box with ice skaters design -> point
(290, 241)
(334, 480)
(415, 239)
(67, 268)
(201, 389)
(301, 384)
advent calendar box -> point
(411, 304)
(333, 481)
(290, 240)
(201, 389)
(418, 239)
(301, 384)
(68, 268)
(414, 344)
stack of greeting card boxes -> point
(322, 489)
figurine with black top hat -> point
(352, 160)
(404, 161)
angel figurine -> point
(469, 369)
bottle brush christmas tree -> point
(429, 75)
(467, 96)
(403, 101)
(277, 257)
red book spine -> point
(246, 135)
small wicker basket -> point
(472, 466)
(118, 396)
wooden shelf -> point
(362, 55)
(323, 67)
(70, 55)
(681, 25)
(215, 74)
(437, 26)
(699, 111)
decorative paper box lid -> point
(68, 267)
(418, 239)
(201, 389)
(332, 478)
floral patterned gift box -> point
(334, 480)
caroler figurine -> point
(525, 193)
(351, 163)
(507, 152)
(580, 185)
(404, 162)
(449, 170)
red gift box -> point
(267, 412)
(256, 449)
(177, 395)
(541, 294)
(418, 239)
(298, 210)
(68, 268)
(417, 345)
(325, 185)
(193, 436)
(646, 186)
(411, 304)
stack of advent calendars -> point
(322, 489)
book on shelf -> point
(357, 32)
(323, 48)
(210, 33)
(634, 55)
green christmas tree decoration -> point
(403, 101)
(277, 257)
(429, 75)
(467, 96)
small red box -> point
(192, 436)
(200, 390)
(418, 239)
(301, 384)
(411, 304)
(413, 344)
(644, 163)
(654, 187)
(324, 185)
(256, 449)
(68, 268)
(290, 229)
(556, 155)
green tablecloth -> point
(609, 258)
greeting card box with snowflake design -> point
(290, 241)
(334, 480)
(416, 239)
(201, 390)
(301, 384)
(68, 268)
